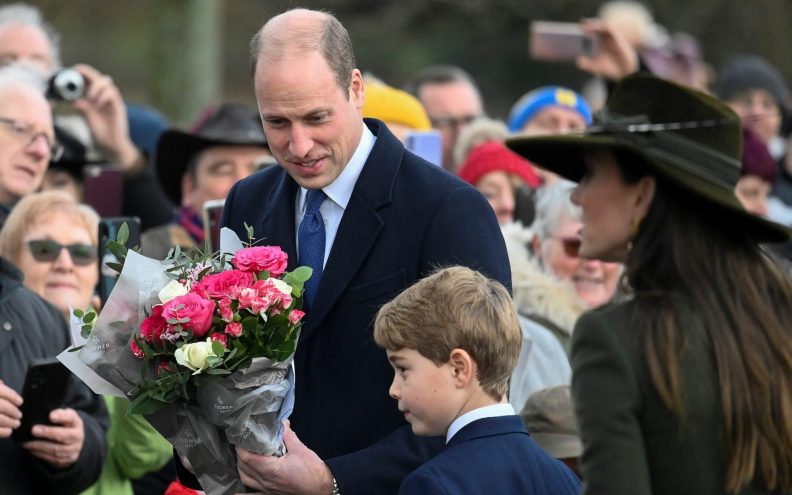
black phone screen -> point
(44, 390)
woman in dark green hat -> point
(686, 386)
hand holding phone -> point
(561, 41)
(615, 57)
(10, 414)
(44, 390)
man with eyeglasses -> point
(451, 100)
(113, 130)
(27, 139)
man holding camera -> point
(26, 38)
(66, 456)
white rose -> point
(282, 286)
(173, 289)
(194, 355)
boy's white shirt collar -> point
(492, 411)
(340, 190)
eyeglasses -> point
(571, 245)
(46, 250)
(453, 122)
(25, 133)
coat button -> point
(7, 326)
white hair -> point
(27, 15)
(553, 205)
(482, 129)
(22, 73)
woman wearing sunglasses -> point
(685, 387)
(53, 240)
(552, 286)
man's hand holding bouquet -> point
(202, 345)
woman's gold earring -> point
(634, 224)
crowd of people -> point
(592, 295)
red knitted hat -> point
(494, 156)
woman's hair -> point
(552, 206)
(686, 248)
(32, 208)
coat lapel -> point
(361, 224)
(277, 224)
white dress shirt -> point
(338, 193)
(492, 411)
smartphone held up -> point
(561, 41)
(44, 390)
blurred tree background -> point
(181, 55)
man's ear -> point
(356, 89)
(463, 367)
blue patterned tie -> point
(311, 238)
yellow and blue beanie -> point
(531, 103)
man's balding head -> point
(303, 30)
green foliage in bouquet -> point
(218, 313)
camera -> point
(66, 85)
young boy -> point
(453, 339)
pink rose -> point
(225, 284)
(162, 367)
(234, 329)
(260, 258)
(224, 308)
(220, 337)
(152, 327)
(191, 312)
(295, 316)
(136, 350)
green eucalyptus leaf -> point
(89, 317)
(217, 371)
(123, 234)
(116, 267)
(118, 250)
(78, 313)
(303, 273)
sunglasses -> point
(571, 246)
(47, 251)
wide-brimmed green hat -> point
(688, 137)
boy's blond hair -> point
(454, 308)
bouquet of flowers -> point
(202, 345)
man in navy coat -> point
(389, 219)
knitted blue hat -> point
(531, 103)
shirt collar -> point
(340, 190)
(492, 411)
